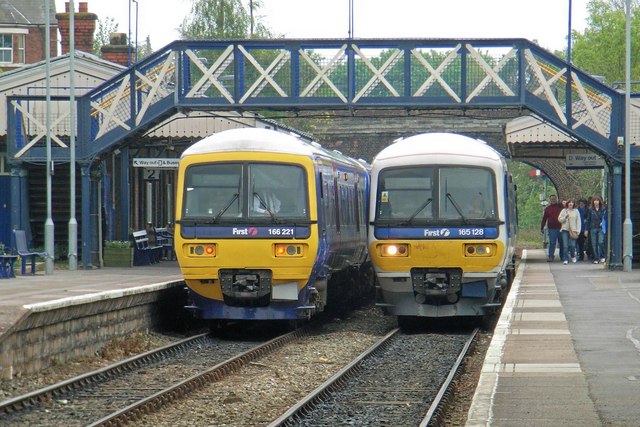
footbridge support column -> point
(614, 226)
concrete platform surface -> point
(65, 285)
(566, 350)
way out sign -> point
(584, 161)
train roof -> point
(444, 144)
(265, 140)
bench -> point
(25, 253)
(165, 239)
(143, 252)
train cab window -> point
(405, 194)
(213, 191)
(466, 192)
(233, 191)
(277, 189)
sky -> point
(545, 21)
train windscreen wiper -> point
(455, 205)
(226, 208)
(420, 209)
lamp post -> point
(569, 36)
(49, 230)
(129, 37)
(627, 227)
(351, 35)
(136, 2)
(251, 18)
(73, 222)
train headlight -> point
(479, 249)
(204, 250)
(394, 250)
(288, 250)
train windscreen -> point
(226, 191)
(430, 193)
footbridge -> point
(304, 77)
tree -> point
(601, 50)
(221, 19)
(145, 48)
(106, 27)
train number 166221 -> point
(281, 231)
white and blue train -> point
(443, 227)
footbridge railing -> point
(297, 75)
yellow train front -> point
(444, 226)
(264, 221)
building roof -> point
(26, 12)
(90, 71)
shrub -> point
(117, 244)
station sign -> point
(155, 163)
(584, 161)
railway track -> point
(124, 391)
(242, 390)
(397, 381)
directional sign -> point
(153, 163)
(584, 161)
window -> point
(6, 48)
(406, 193)
(213, 190)
(20, 48)
(277, 189)
(241, 190)
(427, 193)
(10, 44)
(4, 164)
(466, 192)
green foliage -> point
(601, 49)
(532, 191)
(116, 244)
(145, 49)
(210, 19)
(106, 26)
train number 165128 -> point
(472, 231)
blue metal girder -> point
(330, 74)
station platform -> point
(72, 287)
(566, 349)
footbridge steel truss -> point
(352, 74)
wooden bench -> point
(25, 253)
(165, 239)
(143, 252)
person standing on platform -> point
(582, 240)
(570, 219)
(595, 218)
(550, 219)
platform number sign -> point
(151, 174)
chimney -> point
(85, 25)
(118, 50)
